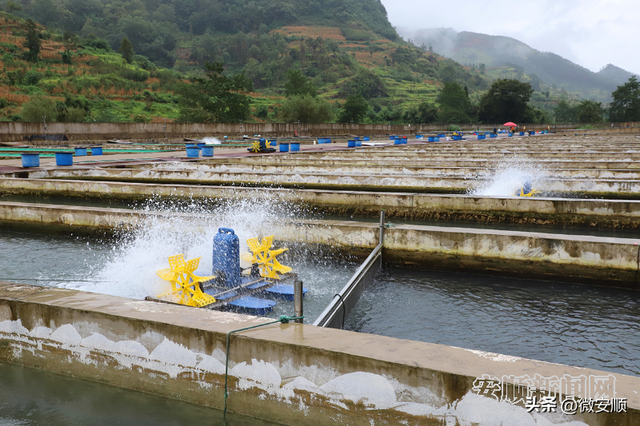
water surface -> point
(579, 325)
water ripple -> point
(584, 326)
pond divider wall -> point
(583, 259)
(343, 302)
(289, 373)
(522, 210)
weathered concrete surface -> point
(413, 169)
(410, 183)
(521, 210)
(477, 162)
(582, 259)
(289, 373)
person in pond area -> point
(495, 129)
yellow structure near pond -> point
(185, 285)
(265, 257)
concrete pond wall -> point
(289, 373)
(522, 210)
(18, 131)
(583, 259)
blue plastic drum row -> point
(63, 158)
(284, 146)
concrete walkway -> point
(220, 151)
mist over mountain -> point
(495, 51)
(616, 74)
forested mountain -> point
(541, 67)
(616, 74)
(155, 27)
(344, 47)
(334, 49)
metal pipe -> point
(297, 298)
(382, 217)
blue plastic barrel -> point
(64, 159)
(521, 133)
(482, 137)
(431, 139)
(357, 138)
(30, 159)
(327, 140)
(510, 134)
(273, 143)
(96, 150)
(200, 144)
(226, 257)
(193, 152)
(81, 152)
(404, 139)
(351, 143)
(397, 141)
(284, 147)
(366, 138)
(320, 140)
(207, 151)
(436, 139)
(295, 146)
(358, 143)
(441, 135)
(392, 138)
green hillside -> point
(78, 80)
(343, 48)
(340, 49)
(157, 27)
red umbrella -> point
(510, 124)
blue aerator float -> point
(230, 286)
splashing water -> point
(211, 140)
(185, 227)
(508, 179)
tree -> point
(215, 98)
(366, 84)
(564, 113)
(353, 110)
(626, 102)
(39, 107)
(426, 113)
(126, 50)
(12, 6)
(32, 41)
(306, 109)
(297, 84)
(454, 103)
(506, 100)
(590, 112)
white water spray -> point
(188, 228)
(509, 177)
(211, 141)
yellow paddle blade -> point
(185, 285)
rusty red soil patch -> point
(313, 31)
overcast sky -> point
(591, 33)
